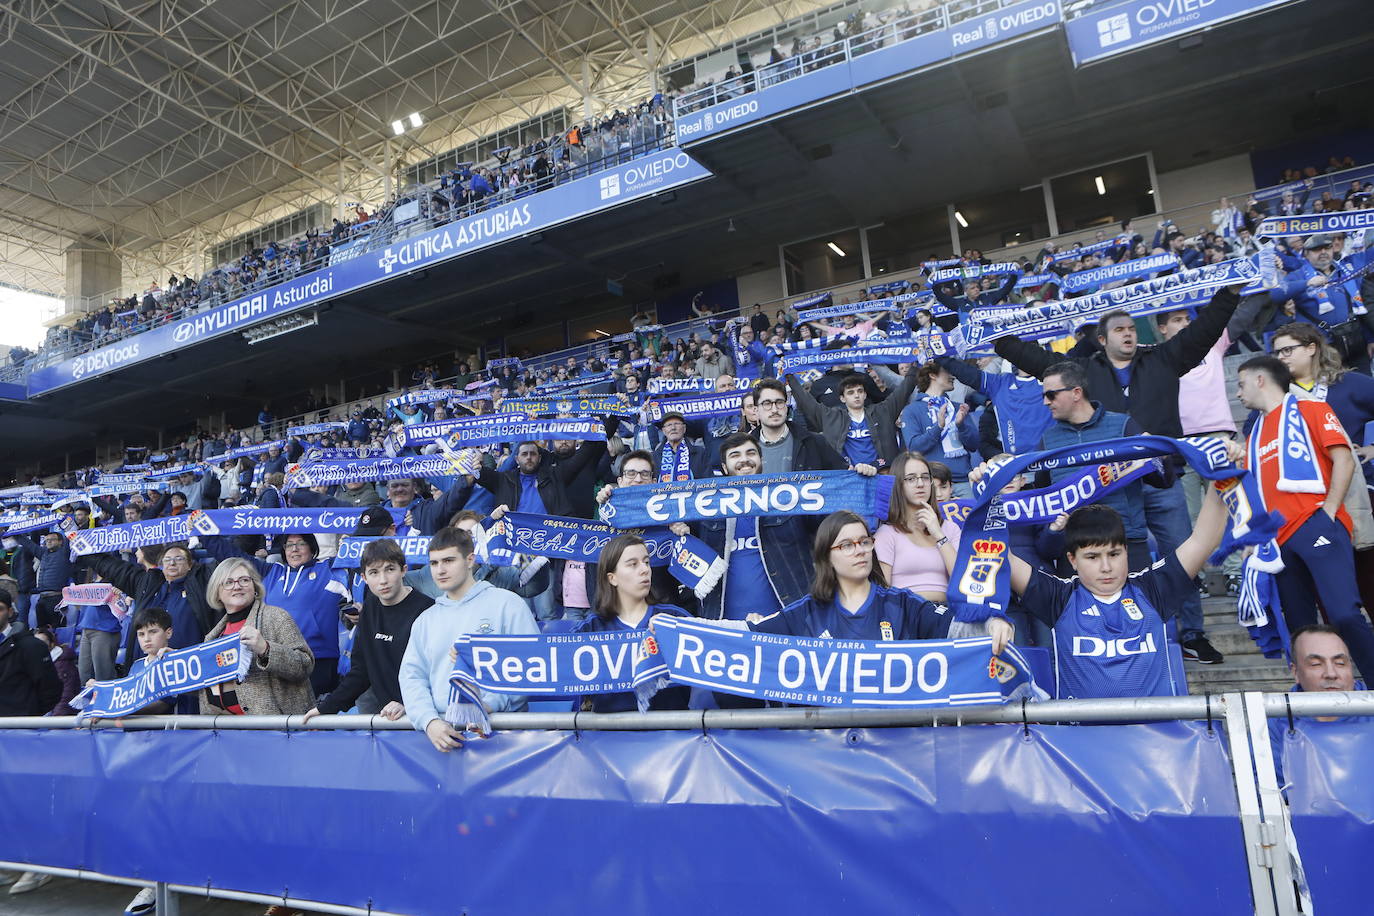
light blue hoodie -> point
(426, 668)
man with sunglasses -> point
(1078, 420)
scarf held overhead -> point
(796, 493)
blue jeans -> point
(1166, 515)
(543, 605)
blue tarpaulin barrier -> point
(976, 819)
(1329, 767)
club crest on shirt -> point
(1132, 609)
(484, 626)
(885, 631)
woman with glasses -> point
(309, 589)
(278, 680)
(849, 596)
(914, 549)
(1317, 369)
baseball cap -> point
(1320, 240)
(374, 521)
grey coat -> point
(281, 686)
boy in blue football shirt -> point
(1109, 638)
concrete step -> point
(1232, 641)
(1265, 674)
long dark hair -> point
(824, 582)
(900, 515)
(607, 595)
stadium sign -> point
(974, 34)
(1102, 33)
(622, 184)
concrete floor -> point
(69, 897)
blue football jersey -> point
(1114, 648)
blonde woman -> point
(278, 681)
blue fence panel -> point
(1329, 767)
(980, 819)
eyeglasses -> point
(240, 582)
(849, 548)
(637, 475)
(1052, 393)
(289, 544)
(773, 404)
(916, 478)
(1285, 352)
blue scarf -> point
(815, 343)
(321, 453)
(60, 520)
(421, 396)
(1073, 254)
(1340, 221)
(1299, 470)
(598, 405)
(693, 384)
(249, 451)
(696, 565)
(796, 493)
(981, 582)
(329, 473)
(574, 384)
(984, 325)
(502, 362)
(1080, 280)
(789, 363)
(171, 473)
(302, 520)
(311, 429)
(516, 430)
(560, 538)
(1030, 281)
(183, 671)
(121, 483)
(819, 299)
(425, 433)
(929, 266)
(823, 672)
(976, 272)
(130, 535)
(1038, 507)
(674, 462)
(713, 405)
(350, 555)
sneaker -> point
(278, 910)
(1202, 590)
(143, 904)
(1233, 585)
(29, 881)
(1199, 650)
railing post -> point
(1251, 824)
(166, 903)
(1277, 829)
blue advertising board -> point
(1119, 819)
(602, 190)
(1111, 30)
(969, 36)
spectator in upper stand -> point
(1176, 243)
(29, 685)
(936, 428)
(865, 434)
(751, 356)
(533, 485)
(275, 462)
(357, 427)
(712, 362)
(676, 458)
(973, 295)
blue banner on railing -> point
(1112, 30)
(862, 69)
(559, 204)
(1113, 815)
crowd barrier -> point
(1147, 805)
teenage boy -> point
(152, 627)
(390, 609)
(466, 606)
(1108, 622)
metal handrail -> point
(1125, 709)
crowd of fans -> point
(936, 425)
(592, 145)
